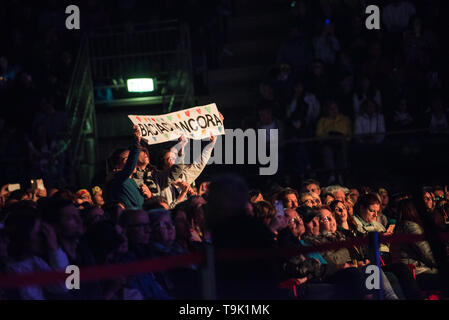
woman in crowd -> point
(345, 222)
(365, 216)
(179, 283)
(429, 199)
(419, 253)
(108, 244)
(266, 212)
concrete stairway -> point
(254, 40)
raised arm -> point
(133, 157)
(192, 171)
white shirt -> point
(365, 124)
(312, 102)
(357, 102)
(58, 261)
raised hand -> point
(146, 191)
(136, 133)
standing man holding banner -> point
(173, 181)
(160, 182)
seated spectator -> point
(295, 51)
(326, 45)
(338, 192)
(109, 245)
(30, 238)
(283, 86)
(311, 185)
(319, 80)
(418, 38)
(113, 210)
(268, 98)
(266, 212)
(384, 200)
(334, 124)
(402, 118)
(177, 282)
(289, 198)
(365, 215)
(92, 215)
(441, 216)
(396, 15)
(268, 122)
(327, 198)
(136, 225)
(429, 200)
(186, 236)
(370, 124)
(419, 253)
(303, 110)
(316, 201)
(345, 222)
(365, 91)
(194, 210)
(306, 199)
(354, 195)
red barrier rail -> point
(159, 264)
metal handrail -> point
(141, 24)
(355, 136)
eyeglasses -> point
(324, 219)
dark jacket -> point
(418, 253)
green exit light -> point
(140, 85)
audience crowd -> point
(349, 89)
(147, 212)
(334, 79)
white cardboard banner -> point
(195, 123)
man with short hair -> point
(66, 220)
(307, 199)
(138, 230)
(289, 198)
(312, 186)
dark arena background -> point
(357, 91)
